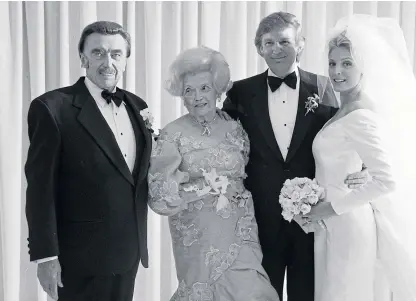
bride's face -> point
(343, 71)
(199, 94)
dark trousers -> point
(114, 287)
(294, 251)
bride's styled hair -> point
(196, 60)
(341, 40)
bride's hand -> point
(306, 226)
(320, 211)
(358, 179)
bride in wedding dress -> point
(369, 68)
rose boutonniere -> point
(148, 121)
(312, 103)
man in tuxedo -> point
(271, 108)
(86, 201)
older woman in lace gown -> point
(196, 178)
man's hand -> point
(49, 275)
(358, 179)
(223, 115)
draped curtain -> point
(38, 53)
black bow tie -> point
(117, 96)
(276, 82)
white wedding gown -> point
(346, 264)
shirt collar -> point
(294, 68)
(95, 92)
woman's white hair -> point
(196, 60)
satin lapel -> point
(302, 124)
(94, 123)
(260, 108)
(143, 167)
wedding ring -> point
(322, 224)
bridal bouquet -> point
(298, 195)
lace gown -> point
(345, 254)
(198, 182)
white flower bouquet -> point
(297, 197)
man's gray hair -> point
(104, 28)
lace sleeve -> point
(246, 148)
(363, 131)
(166, 181)
(164, 177)
(245, 142)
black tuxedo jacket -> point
(266, 169)
(82, 202)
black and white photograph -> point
(208, 151)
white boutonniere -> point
(312, 103)
(148, 121)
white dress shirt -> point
(283, 106)
(119, 122)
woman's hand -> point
(321, 211)
(223, 115)
(358, 179)
(306, 227)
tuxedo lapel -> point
(94, 123)
(143, 164)
(260, 107)
(302, 123)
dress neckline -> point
(326, 125)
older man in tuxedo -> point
(86, 202)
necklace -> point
(206, 125)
